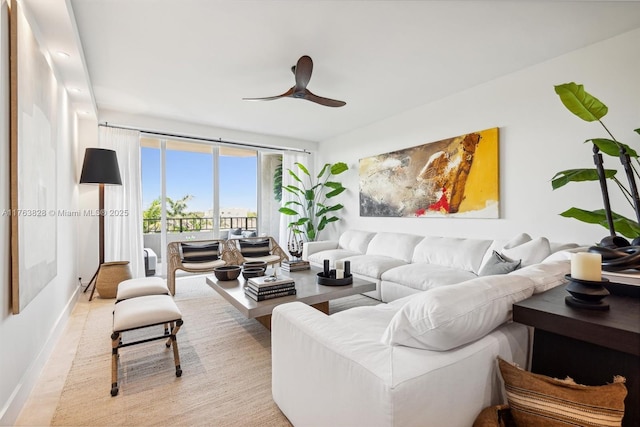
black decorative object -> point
(347, 268)
(586, 294)
(330, 279)
(618, 258)
(295, 244)
(326, 268)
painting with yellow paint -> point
(454, 177)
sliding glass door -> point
(195, 191)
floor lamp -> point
(100, 167)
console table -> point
(590, 346)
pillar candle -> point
(339, 273)
(586, 266)
(326, 268)
(339, 264)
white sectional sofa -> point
(404, 264)
(428, 356)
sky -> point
(192, 173)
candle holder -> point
(586, 294)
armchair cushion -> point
(254, 248)
(199, 252)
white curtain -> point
(123, 204)
(288, 162)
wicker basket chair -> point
(255, 249)
(195, 257)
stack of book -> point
(294, 265)
(267, 287)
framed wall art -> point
(454, 177)
(33, 163)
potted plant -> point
(311, 206)
(590, 109)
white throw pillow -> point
(450, 316)
(517, 241)
(531, 252)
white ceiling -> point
(194, 60)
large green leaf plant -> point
(311, 206)
(590, 109)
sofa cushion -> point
(368, 321)
(424, 276)
(541, 400)
(331, 254)
(396, 245)
(355, 240)
(545, 275)
(372, 265)
(464, 254)
(499, 264)
(517, 241)
(531, 252)
(450, 316)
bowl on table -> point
(227, 272)
(254, 264)
(247, 273)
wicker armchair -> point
(195, 257)
(255, 249)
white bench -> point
(144, 312)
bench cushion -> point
(142, 286)
(144, 311)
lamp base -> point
(586, 294)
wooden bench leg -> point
(174, 342)
(115, 343)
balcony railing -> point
(188, 224)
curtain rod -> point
(199, 138)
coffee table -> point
(308, 292)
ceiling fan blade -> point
(271, 98)
(309, 96)
(302, 71)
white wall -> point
(28, 338)
(538, 138)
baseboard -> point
(11, 411)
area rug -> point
(225, 358)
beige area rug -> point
(225, 358)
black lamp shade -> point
(100, 167)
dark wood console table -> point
(590, 346)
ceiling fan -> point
(302, 71)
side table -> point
(590, 346)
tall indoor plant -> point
(590, 109)
(311, 206)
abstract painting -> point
(34, 180)
(454, 177)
